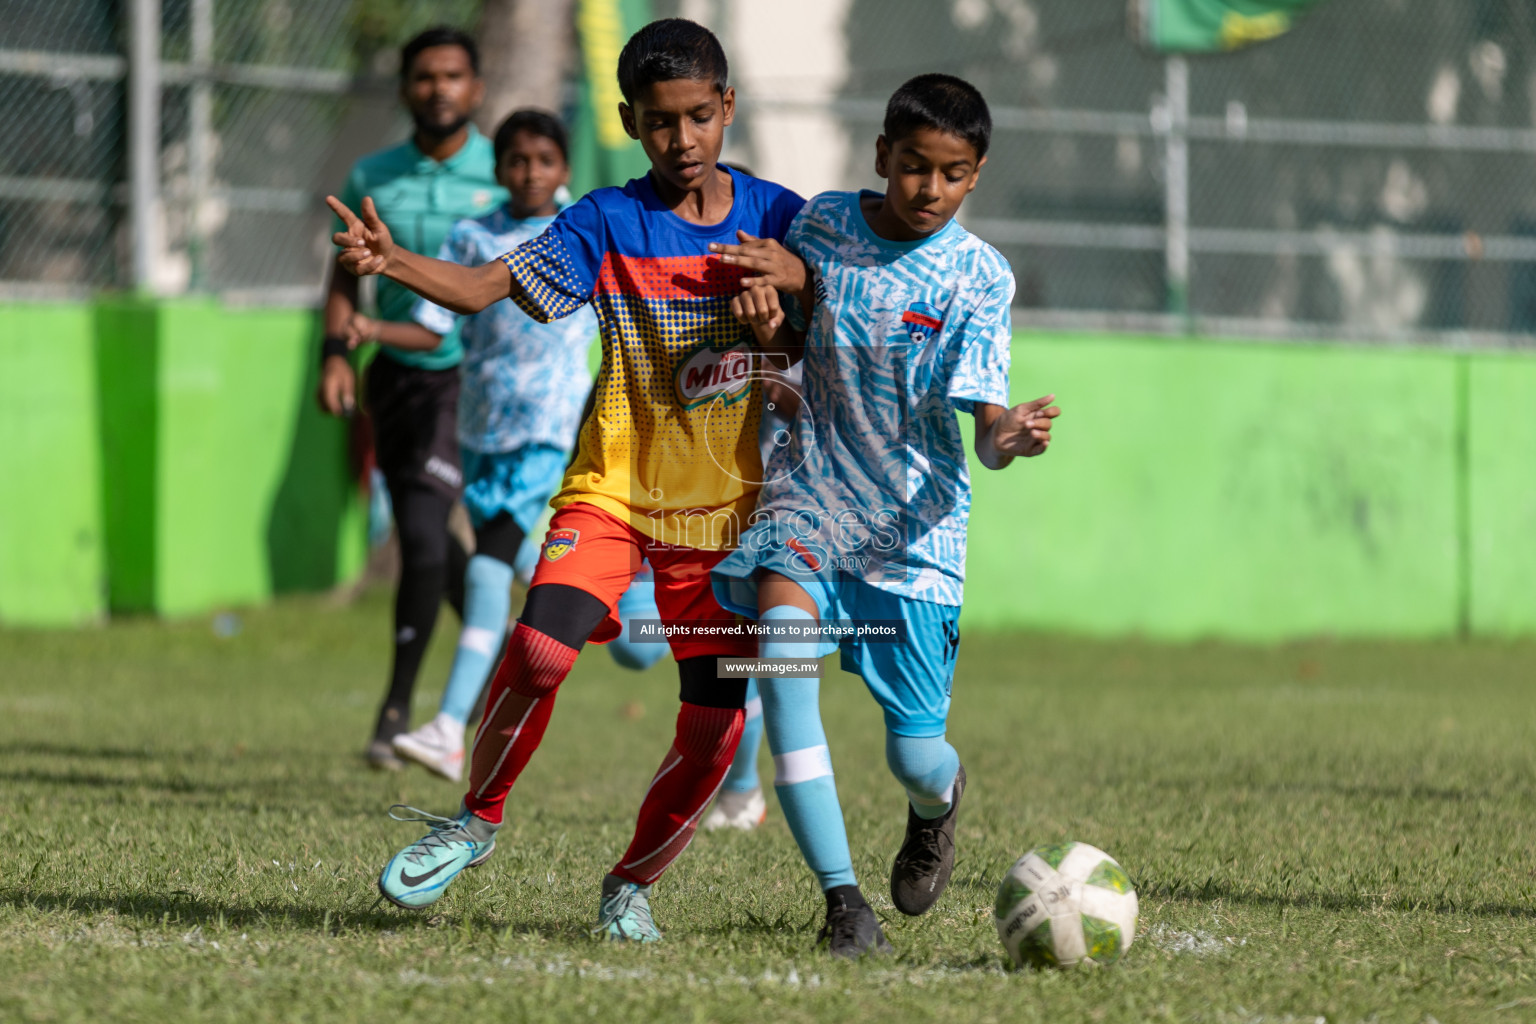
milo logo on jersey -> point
(922, 321)
(707, 374)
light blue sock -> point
(926, 766)
(527, 558)
(741, 777)
(802, 763)
(487, 602)
(638, 602)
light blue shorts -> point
(519, 483)
(910, 678)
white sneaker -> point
(734, 809)
(437, 746)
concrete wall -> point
(167, 458)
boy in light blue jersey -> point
(520, 405)
(861, 521)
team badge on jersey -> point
(922, 321)
(559, 543)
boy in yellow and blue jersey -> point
(520, 404)
(667, 466)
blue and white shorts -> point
(519, 483)
(910, 678)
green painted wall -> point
(52, 549)
(1501, 492)
(127, 390)
(167, 457)
(252, 481)
(1242, 490)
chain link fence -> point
(262, 107)
(1366, 175)
(63, 115)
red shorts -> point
(591, 550)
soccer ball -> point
(1065, 904)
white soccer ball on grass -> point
(1065, 904)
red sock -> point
(517, 711)
(689, 776)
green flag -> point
(1206, 26)
(601, 152)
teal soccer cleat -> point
(625, 912)
(417, 875)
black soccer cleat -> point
(927, 857)
(852, 930)
(380, 752)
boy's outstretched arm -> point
(1002, 433)
(367, 248)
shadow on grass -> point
(1212, 891)
(139, 753)
(191, 779)
(178, 913)
(184, 910)
(101, 780)
(1206, 787)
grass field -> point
(1332, 830)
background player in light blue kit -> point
(524, 385)
(862, 515)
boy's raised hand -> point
(366, 245)
(770, 263)
(758, 307)
(1025, 429)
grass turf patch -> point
(1337, 830)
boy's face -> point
(441, 90)
(532, 168)
(681, 126)
(929, 173)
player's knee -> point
(708, 736)
(923, 765)
(787, 623)
(567, 614)
(540, 662)
(489, 577)
(699, 682)
(501, 538)
(638, 657)
(421, 519)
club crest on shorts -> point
(559, 543)
(922, 321)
